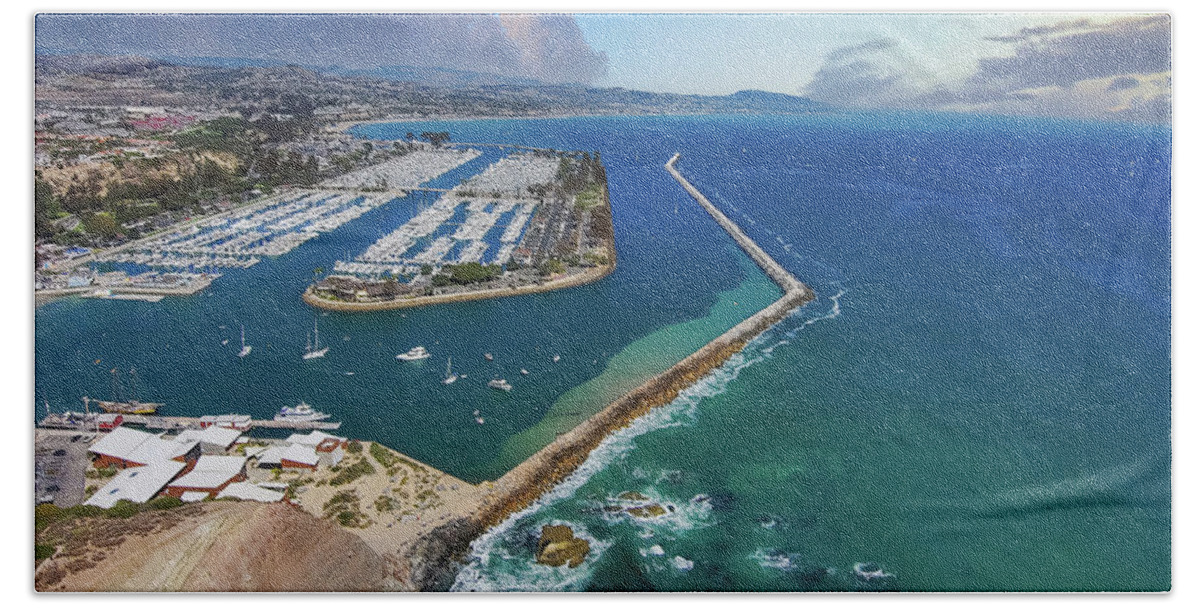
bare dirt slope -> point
(222, 546)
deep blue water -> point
(979, 399)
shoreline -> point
(588, 276)
(435, 558)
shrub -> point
(352, 472)
(43, 551)
(354, 447)
(165, 502)
(123, 510)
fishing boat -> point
(301, 413)
(414, 354)
(314, 350)
(245, 349)
(500, 384)
(450, 376)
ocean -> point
(978, 399)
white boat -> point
(556, 358)
(314, 350)
(225, 341)
(301, 413)
(488, 356)
(414, 354)
(500, 384)
(524, 372)
(478, 418)
(450, 376)
(245, 349)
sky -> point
(1090, 65)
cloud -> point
(545, 47)
(875, 73)
(1076, 68)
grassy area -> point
(349, 473)
(590, 197)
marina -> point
(481, 220)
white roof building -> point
(314, 438)
(244, 490)
(212, 437)
(136, 484)
(302, 454)
(270, 457)
(139, 447)
(211, 472)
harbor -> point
(94, 422)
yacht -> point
(314, 350)
(301, 413)
(450, 376)
(500, 384)
(414, 354)
(245, 349)
(556, 358)
(524, 372)
(488, 356)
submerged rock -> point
(647, 511)
(558, 545)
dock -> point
(185, 422)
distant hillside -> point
(223, 83)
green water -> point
(641, 361)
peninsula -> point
(539, 218)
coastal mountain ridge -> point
(502, 95)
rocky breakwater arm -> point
(522, 485)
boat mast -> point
(116, 385)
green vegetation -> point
(551, 266)
(590, 197)
(384, 456)
(352, 472)
(41, 552)
(466, 274)
(354, 447)
(344, 506)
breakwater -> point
(522, 485)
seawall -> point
(523, 484)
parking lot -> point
(59, 460)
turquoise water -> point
(979, 398)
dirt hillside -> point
(222, 546)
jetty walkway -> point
(539, 473)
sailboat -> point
(314, 350)
(245, 349)
(450, 377)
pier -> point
(186, 422)
(522, 485)
(182, 422)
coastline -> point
(435, 559)
(588, 276)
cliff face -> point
(223, 546)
